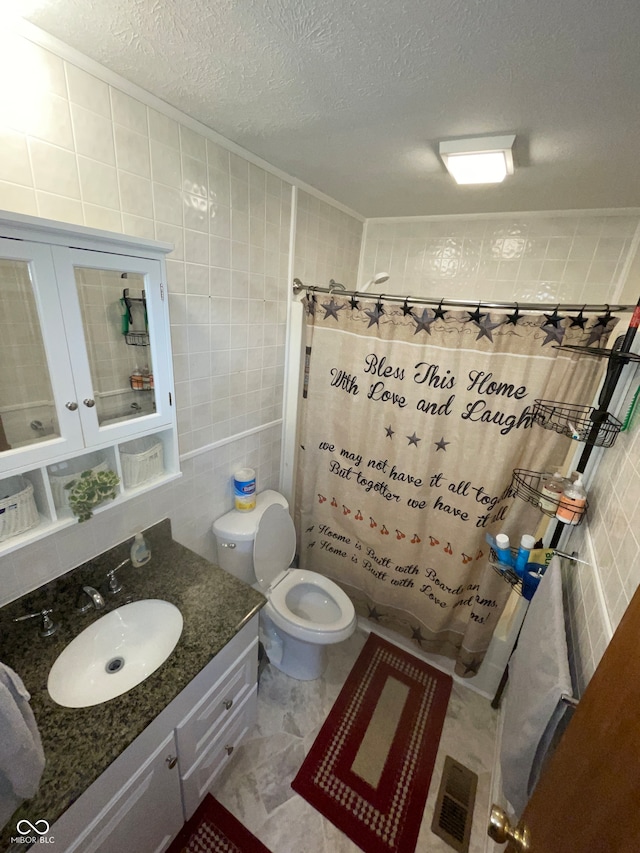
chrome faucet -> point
(115, 586)
(96, 600)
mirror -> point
(27, 411)
(114, 316)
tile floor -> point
(256, 787)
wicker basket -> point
(65, 472)
(142, 460)
(18, 510)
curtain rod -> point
(298, 286)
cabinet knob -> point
(227, 704)
(89, 403)
(71, 405)
(228, 749)
(171, 761)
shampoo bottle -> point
(551, 492)
(526, 544)
(140, 553)
(503, 550)
(572, 502)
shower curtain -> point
(412, 420)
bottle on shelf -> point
(551, 492)
(503, 550)
(572, 502)
(526, 544)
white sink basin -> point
(115, 653)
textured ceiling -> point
(352, 97)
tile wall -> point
(327, 244)
(77, 149)
(530, 257)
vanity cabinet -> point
(86, 355)
(144, 814)
(142, 799)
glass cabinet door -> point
(117, 328)
(38, 406)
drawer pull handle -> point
(228, 749)
(171, 761)
(227, 704)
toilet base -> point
(296, 658)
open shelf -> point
(581, 423)
(601, 352)
(527, 485)
(506, 573)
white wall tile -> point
(93, 134)
(18, 198)
(55, 170)
(15, 166)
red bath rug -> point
(369, 769)
(213, 829)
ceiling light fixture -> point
(479, 160)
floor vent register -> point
(453, 813)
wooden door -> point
(588, 797)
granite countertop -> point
(80, 743)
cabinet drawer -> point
(216, 707)
(199, 779)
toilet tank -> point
(235, 532)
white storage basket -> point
(18, 510)
(66, 472)
(142, 460)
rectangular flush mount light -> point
(481, 160)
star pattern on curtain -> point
(423, 323)
(486, 327)
(331, 309)
(553, 333)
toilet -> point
(305, 611)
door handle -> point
(89, 403)
(71, 405)
(501, 830)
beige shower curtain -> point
(412, 420)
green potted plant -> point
(91, 489)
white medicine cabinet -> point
(86, 380)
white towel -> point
(538, 676)
(21, 754)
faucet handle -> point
(114, 584)
(47, 628)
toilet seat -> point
(304, 604)
(289, 593)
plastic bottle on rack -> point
(526, 544)
(551, 492)
(503, 550)
(572, 502)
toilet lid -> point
(274, 545)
